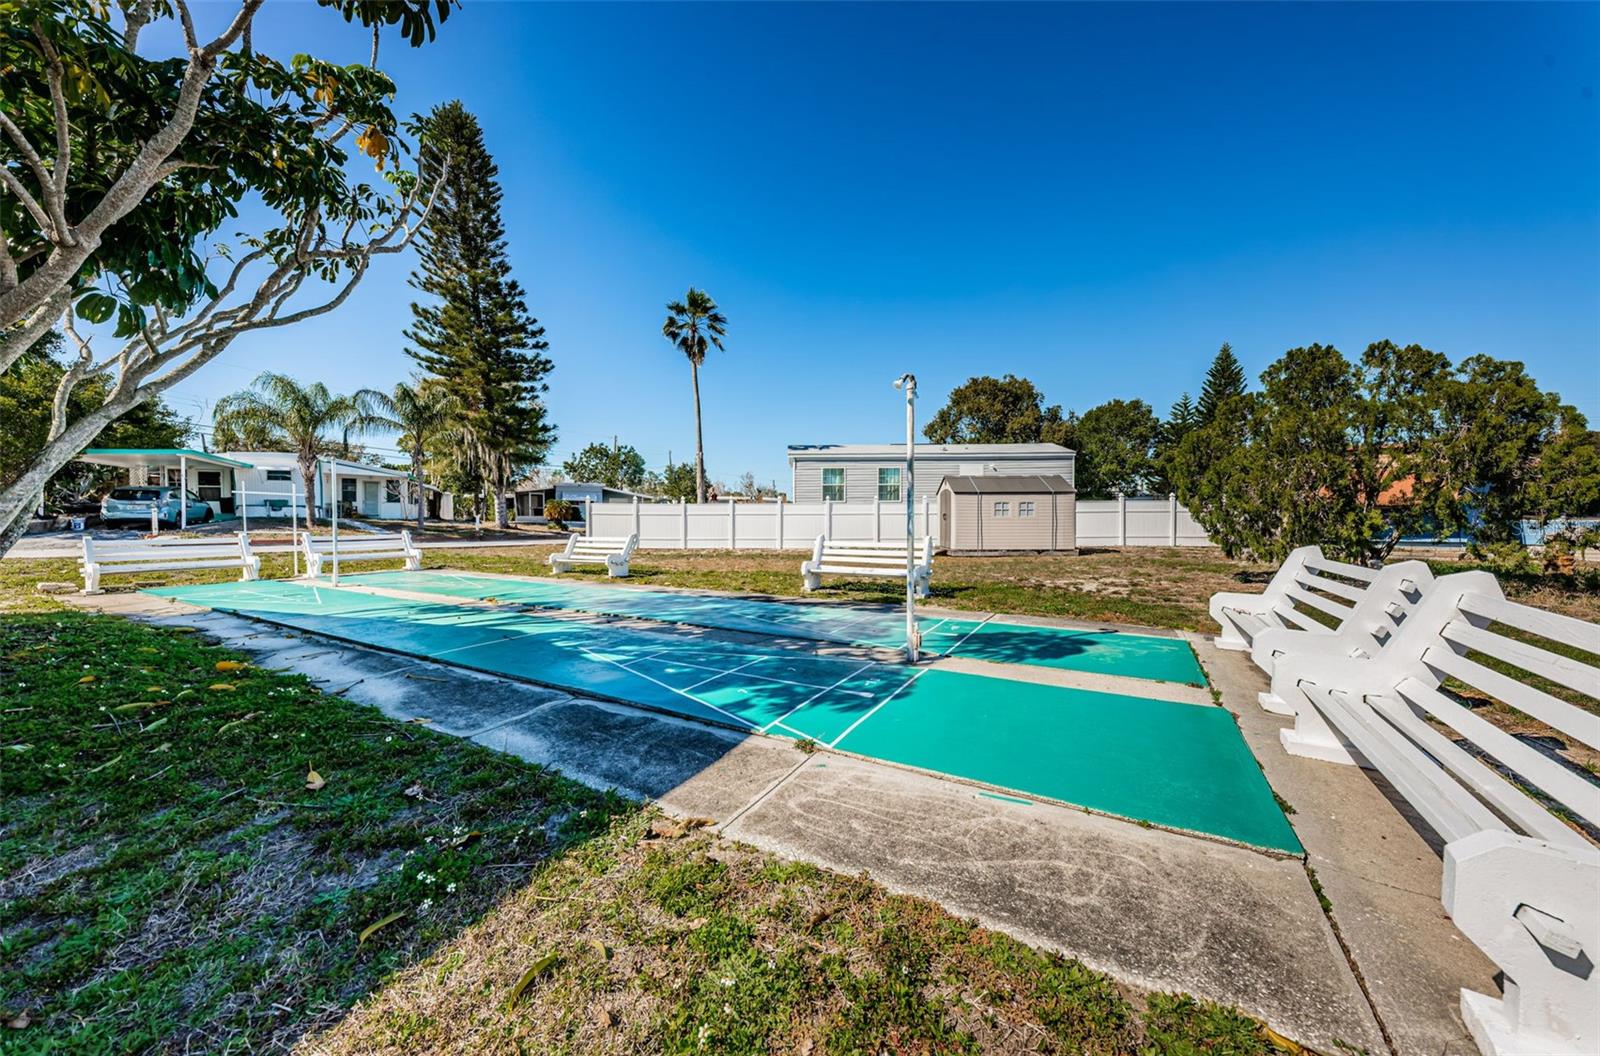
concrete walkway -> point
(1157, 909)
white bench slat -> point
(1551, 625)
(1333, 586)
(1445, 806)
(1341, 568)
(1326, 605)
(1294, 616)
(1538, 769)
(1536, 703)
(1562, 670)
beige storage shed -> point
(1000, 514)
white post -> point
(684, 504)
(779, 545)
(588, 516)
(733, 538)
(927, 523)
(155, 516)
(877, 520)
(1122, 519)
(1172, 509)
(827, 518)
(636, 530)
(244, 510)
(909, 383)
(333, 470)
(183, 492)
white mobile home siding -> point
(861, 473)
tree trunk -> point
(19, 525)
(699, 445)
(308, 482)
(500, 498)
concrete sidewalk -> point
(1156, 909)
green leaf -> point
(371, 929)
(538, 968)
(96, 307)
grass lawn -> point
(191, 851)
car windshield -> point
(136, 494)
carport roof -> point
(995, 484)
(143, 456)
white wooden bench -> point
(613, 552)
(841, 558)
(1519, 881)
(318, 550)
(1365, 606)
(113, 557)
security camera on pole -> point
(908, 382)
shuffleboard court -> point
(1181, 766)
(1122, 653)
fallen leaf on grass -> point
(314, 780)
(114, 759)
(239, 722)
(138, 705)
(85, 680)
(19, 1021)
(538, 968)
(373, 928)
(157, 724)
(667, 829)
(148, 649)
(1280, 1042)
(155, 689)
(231, 665)
(222, 687)
(605, 1018)
(415, 791)
(419, 721)
(601, 948)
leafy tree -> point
(559, 511)
(297, 417)
(419, 412)
(694, 325)
(475, 335)
(1224, 380)
(616, 467)
(118, 170)
(1182, 419)
(1116, 444)
(676, 483)
(986, 410)
(27, 393)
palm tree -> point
(295, 416)
(419, 413)
(693, 324)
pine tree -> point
(1223, 381)
(1181, 419)
(476, 335)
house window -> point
(1002, 509)
(391, 491)
(889, 485)
(1024, 509)
(833, 485)
(209, 485)
(281, 475)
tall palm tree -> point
(693, 325)
(296, 416)
(419, 413)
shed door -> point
(944, 520)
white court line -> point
(764, 678)
(713, 678)
(663, 685)
(874, 710)
(814, 696)
(952, 650)
(464, 648)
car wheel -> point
(208, 516)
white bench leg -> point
(91, 579)
(1532, 909)
(251, 570)
(616, 569)
(809, 579)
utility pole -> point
(908, 382)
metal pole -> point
(183, 492)
(908, 382)
(334, 488)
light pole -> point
(908, 382)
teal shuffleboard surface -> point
(1181, 766)
(1122, 653)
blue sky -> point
(1094, 197)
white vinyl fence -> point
(795, 525)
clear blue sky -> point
(1094, 197)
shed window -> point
(1002, 509)
(1024, 509)
(889, 485)
(833, 485)
(278, 474)
(391, 491)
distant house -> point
(530, 499)
(267, 483)
(872, 472)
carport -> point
(215, 477)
